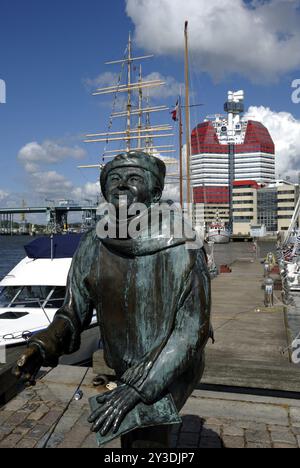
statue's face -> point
(131, 182)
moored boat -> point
(33, 291)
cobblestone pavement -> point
(47, 416)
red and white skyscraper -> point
(212, 170)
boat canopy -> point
(60, 246)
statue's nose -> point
(123, 185)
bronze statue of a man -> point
(152, 296)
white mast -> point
(144, 135)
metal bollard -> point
(269, 292)
(266, 269)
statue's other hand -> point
(28, 365)
(136, 375)
(115, 406)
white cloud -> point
(285, 131)
(89, 191)
(51, 183)
(259, 40)
(33, 154)
(101, 81)
(3, 195)
(171, 88)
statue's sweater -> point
(153, 306)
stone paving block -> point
(51, 417)
(83, 419)
(10, 441)
(21, 430)
(283, 437)
(67, 422)
(284, 446)
(76, 437)
(38, 432)
(295, 416)
(233, 442)
(114, 444)
(15, 404)
(5, 415)
(258, 445)
(17, 418)
(5, 431)
(232, 430)
(90, 442)
(261, 436)
(26, 443)
(30, 407)
(298, 441)
(40, 411)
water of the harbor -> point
(11, 252)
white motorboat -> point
(217, 232)
(33, 291)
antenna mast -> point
(187, 118)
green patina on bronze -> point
(152, 297)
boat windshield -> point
(32, 296)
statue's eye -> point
(114, 178)
(135, 179)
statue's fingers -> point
(97, 413)
(109, 422)
(105, 397)
(92, 418)
(101, 420)
(118, 421)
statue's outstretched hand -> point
(28, 365)
(115, 406)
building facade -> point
(212, 169)
(271, 206)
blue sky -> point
(49, 49)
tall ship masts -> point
(139, 136)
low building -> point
(287, 197)
(270, 205)
(244, 202)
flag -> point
(175, 112)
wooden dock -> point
(249, 337)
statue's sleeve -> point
(188, 338)
(63, 335)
